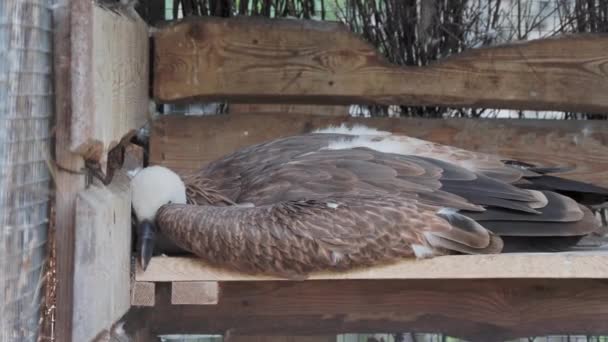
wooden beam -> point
(69, 178)
(187, 143)
(142, 293)
(102, 257)
(194, 292)
(98, 101)
(248, 108)
(102, 251)
(110, 75)
(481, 310)
(571, 265)
(297, 61)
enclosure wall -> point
(26, 106)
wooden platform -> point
(571, 265)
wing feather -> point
(491, 197)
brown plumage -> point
(333, 201)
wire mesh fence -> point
(26, 105)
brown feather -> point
(299, 237)
(319, 208)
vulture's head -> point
(151, 188)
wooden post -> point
(101, 85)
(110, 78)
(142, 293)
(69, 178)
(295, 61)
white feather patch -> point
(354, 130)
(332, 205)
(386, 144)
(447, 211)
(336, 257)
(245, 205)
(153, 187)
(422, 252)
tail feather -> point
(587, 225)
(542, 178)
(581, 192)
(557, 208)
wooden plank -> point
(187, 143)
(248, 108)
(194, 292)
(102, 255)
(567, 265)
(69, 179)
(142, 293)
(74, 22)
(102, 251)
(110, 75)
(481, 310)
(296, 61)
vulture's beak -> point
(146, 236)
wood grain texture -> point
(142, 293)
(102, 257)
(187, 143)
(69, 179)
(248, 108)
(194, 292)
(480, 310)
(295, 61)
(500, 266)
(110, 76)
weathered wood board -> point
(187, 143)
(68, 179)
(586, 265)
(248, 108)
(296, 61)
(142, 293)
(102, 257)
(110, 77)
(101, 89)
(477, 310)
(194, 292)
(102, 252)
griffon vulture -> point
(341, 198)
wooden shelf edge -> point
(567, 265)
